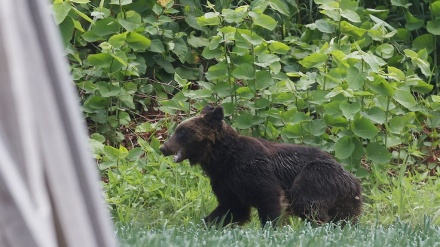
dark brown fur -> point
(248, 172)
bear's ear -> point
(207, 109)
(215, 115)
(218, 114)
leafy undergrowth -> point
(341, 75)
(150, 190)
(397, 234)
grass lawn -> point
(165, 206)
(397, 234)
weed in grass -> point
(154, 189)
(407, 198)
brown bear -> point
(248, 172)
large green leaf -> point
(381, 86)
(263, 79)
(107, 89)
(218, 72)
(333, 108)
(378, 153)
(245, 93)
(84, 16)
(66, 29)
(375, 62)
(60, 10)
(265, 59)
(385, 51)
(364, 128)
(121, 57)
(121, 2)
(252, 38)
(318, 127)
(160, 60)
(325, 26)
(300, 117)
(103, 60)
(424, 41)
(105, 26)
(349, 29)
(209, 19)
(355, 78)
(215, 41)
(348, 5)
(435, 98)
(233, 16)
(396, 73)
(197, 41)
(211, 54)
(111, 153)
(405, 98)
(126, 99)
(398, 123)
(244, 72)
(131, 21)
(180, 49)
(314, 60)
(344, 147)
(138, 41)
(376, 115)
(199, 94)
(94, 102)
(279, 47)
(118, 40)
(423, 65)
(350, 15)
(358, 152)
(433, 27)
(243, 121)
(279, 6)
(412, 22)
(156, 46)
(263, 21)
(135, 154)
(435, 9)
(124, 118)
(401, 3)
(261, 103)
(350, 109)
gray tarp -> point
(49, 187)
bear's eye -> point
(182, 132)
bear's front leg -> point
(270, 206)
(224, 215)
(230, 208)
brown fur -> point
(248, 172)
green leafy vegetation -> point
(359, 79)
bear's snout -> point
(178, 154)
(164, 150)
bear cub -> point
(274, 178)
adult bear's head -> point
(194, 137)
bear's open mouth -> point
(178, 157)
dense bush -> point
(359, 79)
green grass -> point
(180, 194)
(155, 202)
(397, 234)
